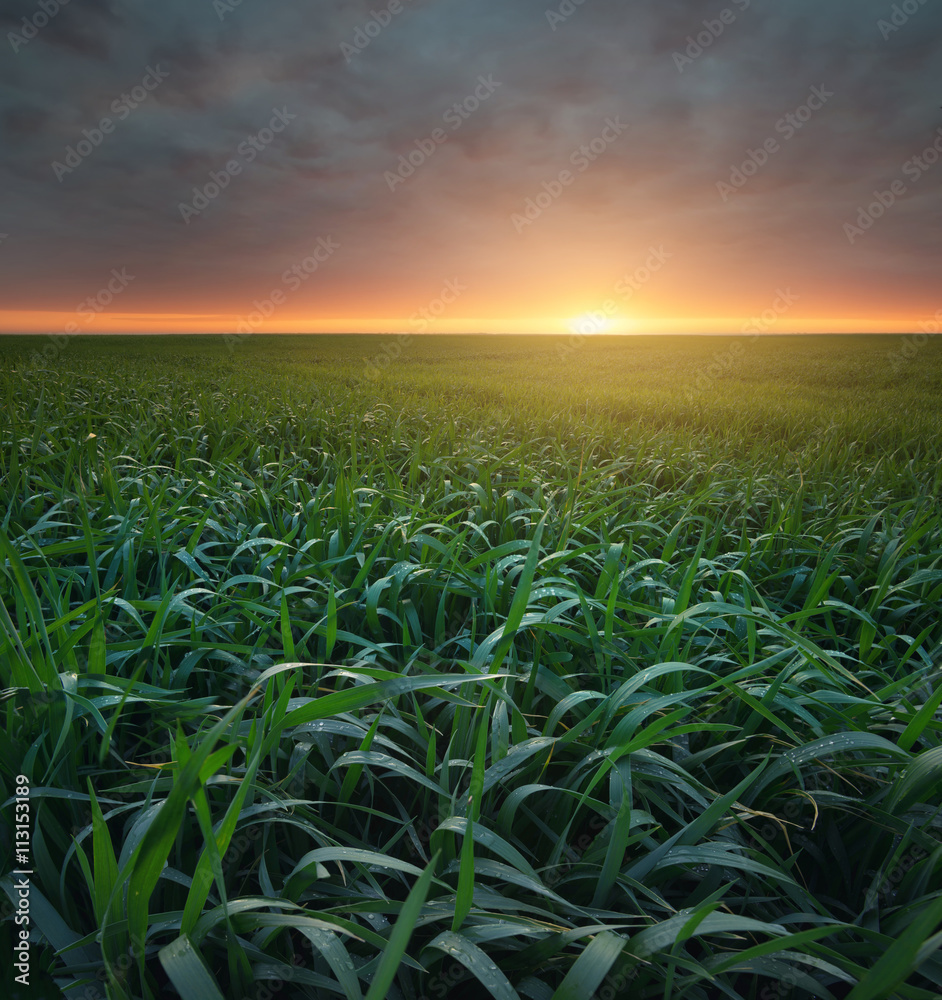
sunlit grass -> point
(510, 673)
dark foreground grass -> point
(499, 674)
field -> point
(505, 667)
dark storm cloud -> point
(23, 121)
(86, 27)
(357, 108)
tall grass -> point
(459, 684)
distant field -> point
(883, 387)
(507, 666)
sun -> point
(590, 323)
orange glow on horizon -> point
(593, 322)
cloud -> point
(85, 27)
(356, 115)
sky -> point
(424, 166)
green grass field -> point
(509, 667)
